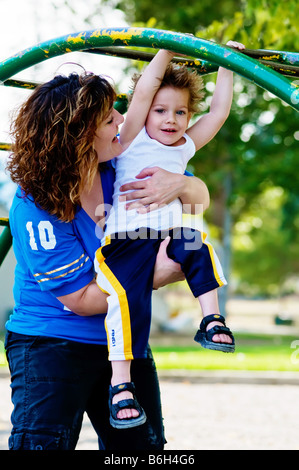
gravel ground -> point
(209, 416)
(231, 416)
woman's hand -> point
(157, 187)
(151, 193)
(166, 270)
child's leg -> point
(203, 272)
(209, 306)
(125, 271)
(121, 372)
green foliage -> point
(186, 17)
(263, 247)
(259, 25)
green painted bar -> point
(282, 57)
(145, 37)
(202, 66)
(282, 62)
(4, 146)
(20, 84)
(4, 222)
(5, 243)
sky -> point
(24, 23)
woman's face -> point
(106, 144)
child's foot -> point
(219, 338)
(214, 334)
(125, 411)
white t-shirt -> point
(142, 153)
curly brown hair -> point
(181, 77)
(53, 157)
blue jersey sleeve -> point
(50, 250)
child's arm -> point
(144, 93)
(208, 126)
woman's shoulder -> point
(24, 212)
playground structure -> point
(275, 71)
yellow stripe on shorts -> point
(123, 302)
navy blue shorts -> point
(125, 268)
(54, 381)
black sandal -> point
(204, 337)
(122, 404)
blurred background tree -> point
(251, 167)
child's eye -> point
(181, 112)
(160, 110)
(110, 121)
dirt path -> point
(209, 416)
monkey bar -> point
(272, 70)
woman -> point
(64, 141)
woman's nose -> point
(118, 117)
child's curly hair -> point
(181, 77)
(53, 157)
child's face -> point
(169, 116)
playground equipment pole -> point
(186, 44)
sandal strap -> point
(210, 318)
(129, 386)
(122, 404)
(217, 329)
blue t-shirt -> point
(54, 258)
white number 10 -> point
(46, 235)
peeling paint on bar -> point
(270, 57)
(4, 146)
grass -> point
(253, 353)
(3, 361)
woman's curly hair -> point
(53, 158)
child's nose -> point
(171, 117)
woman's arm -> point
(163, 187)
(87, 301)
(166, 271)
(90, 300)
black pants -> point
(54, 381)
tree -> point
(186, 17)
